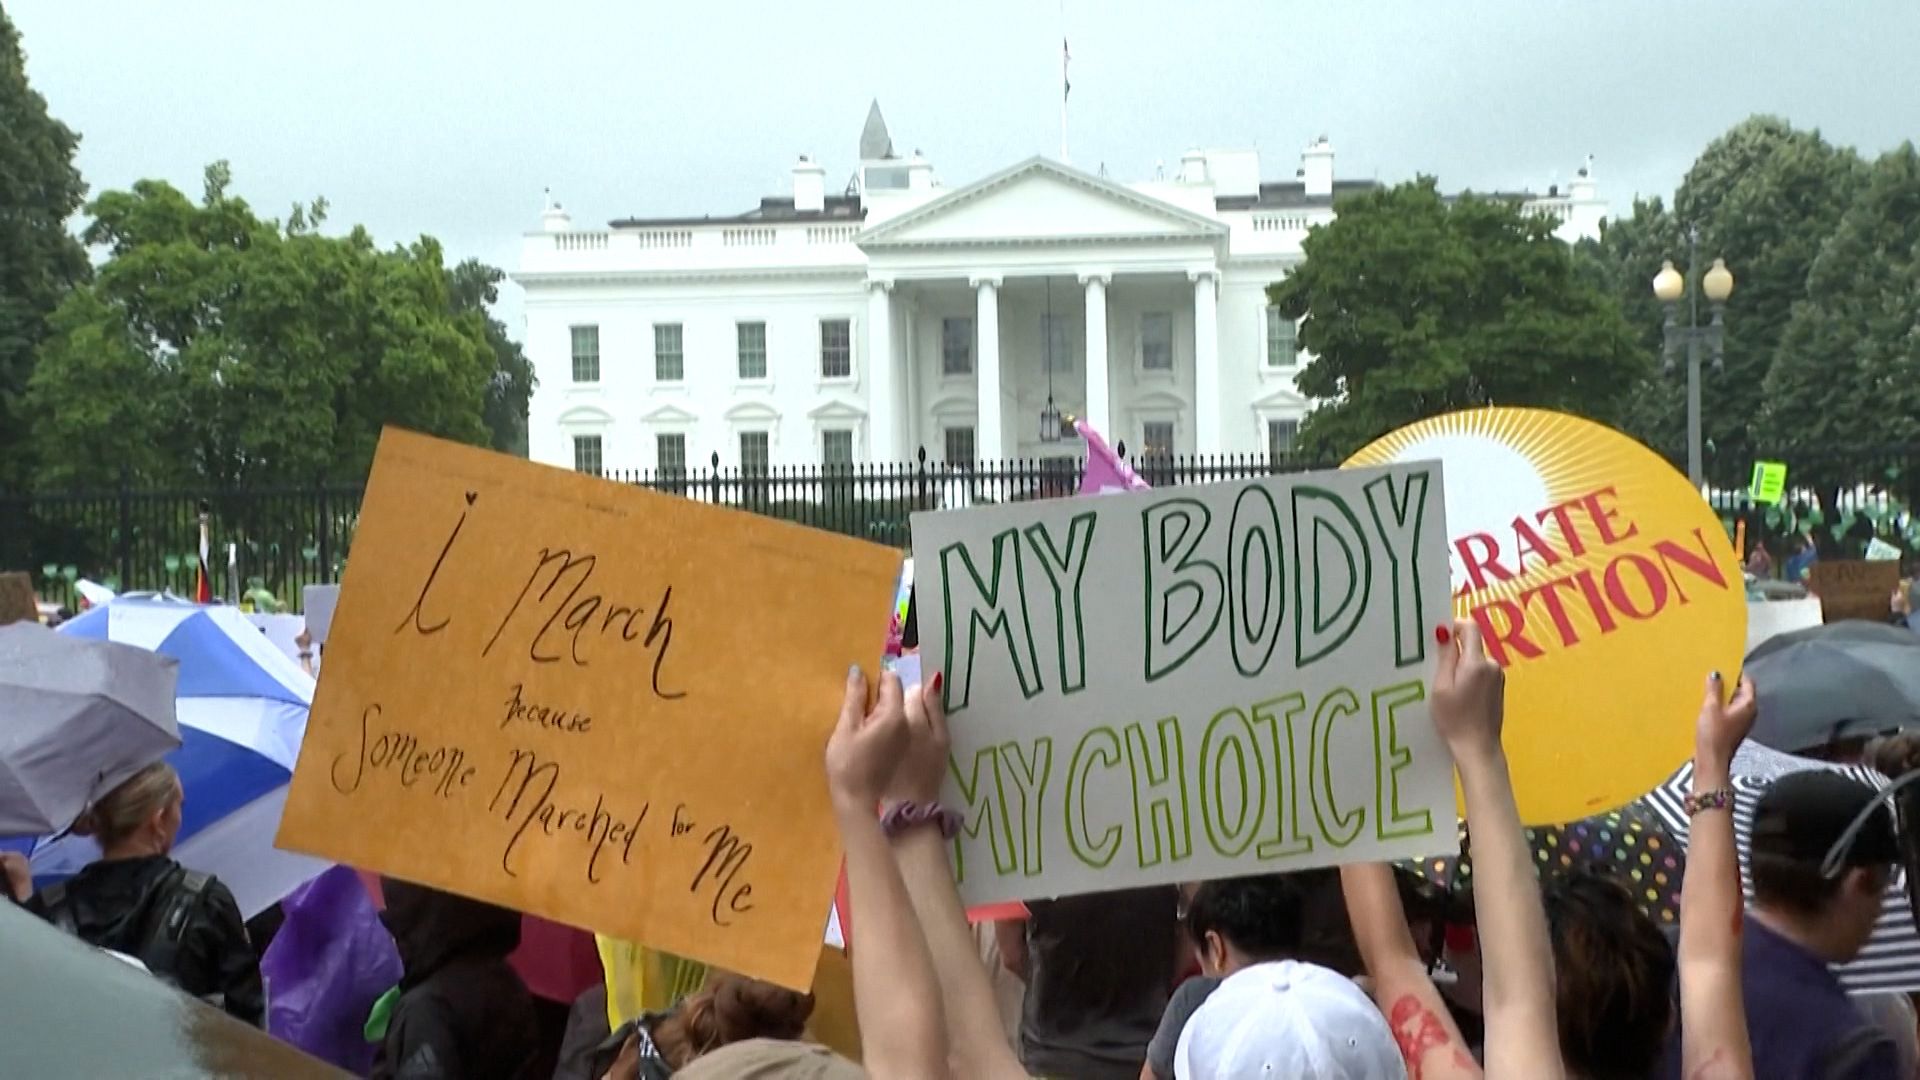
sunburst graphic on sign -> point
(1602, 582)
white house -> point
(902, 314)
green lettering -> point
(1159, 793)
(1389, 757)
(1099, 746)
(1287, 839)
(1002, 600)
(1253, 540)
(1225, 751)
(1317, 514)
(1069, 566)
(1030, 780)
(1398, 518)
(1170, 533)
(985, 811)
(1346, 826)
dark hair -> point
(1614, 972)
(1259, 916)
(1791, 885)
(729, 1009)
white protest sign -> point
(1190, 683)
(318, 602)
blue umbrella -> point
(242, 709)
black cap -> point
(1802, 815)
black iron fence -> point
(279, 540)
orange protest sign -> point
(1854, 588)
(589, 701)
(1601, 581)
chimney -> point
(919, 173)
(809, 187)
(1193, 167)
(1316, 169)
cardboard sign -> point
(17, 601)
(534, 695)
(1854, 588)
(1603, 583)
(1771, 618)
(1190, 683)
(1769, 482)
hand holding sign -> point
(867, 743)
(1468, 694)
(923, 766)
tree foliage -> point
(216, 347)
(474, 287)
(1416, 305)
(1765, 197)
(39, 259)
(1847, 372)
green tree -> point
(474, 287)
(1847, 373)
(216, 347)
(1764, 196)
(1415, 305)
(39, 260)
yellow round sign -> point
(1601, 581)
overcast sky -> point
(448, 117)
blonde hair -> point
(121, 812)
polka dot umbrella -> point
(1630, 845)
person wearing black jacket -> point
(185, 927)
(463, 1011)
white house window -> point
(836, 349)
(670, 452)
(1280, 437)
(959, 445)
(751, 339)
(956, 346)
(586, 454)
(1282, 350)
(1156, 439)
(754, 456)
(836, 446)
(586, 354)
(1057, 334)
(669, 352)
(1156, 341)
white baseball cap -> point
(1287, 1019)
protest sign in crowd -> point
(1452, 762)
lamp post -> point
(1669, 286)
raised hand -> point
(1723, 724)
(867, 744)
(923, 765)
(1468, 692)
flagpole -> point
(1066, 83)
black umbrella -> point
(1843, 680)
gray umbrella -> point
(1842, 680)
(76, 718)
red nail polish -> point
(937, 680)
(1442, 634)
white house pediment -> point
(670, 414)
(1040, 200)
(954, 407)
(837, 410)
(753, 411)
(1159, 400)
(1282, 399)
(586, 414)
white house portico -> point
(901, 316)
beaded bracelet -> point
(1708, 800)
(903, 816)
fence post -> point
(920, 497)
(713, 478)
(325, 543)
(126, 529)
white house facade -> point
(903, 315)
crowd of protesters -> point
(1333, 973)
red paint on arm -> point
(1417, 1030)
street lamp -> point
(1668, 287)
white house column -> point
(1206, 364)
(988, 444)
(1099, 399)
(883, 418)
